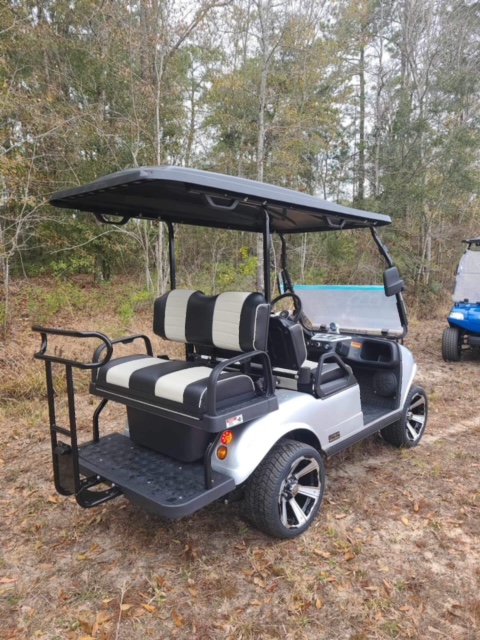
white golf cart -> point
(261, 396)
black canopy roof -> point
(208, 199)
(475, 241)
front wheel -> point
(451, 344)
(285, 491)
(408, 431)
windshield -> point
(467, 284)
(355, 308)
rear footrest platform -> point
(162, 485)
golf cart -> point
(261, 396)
(463, 331)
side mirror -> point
(392, 283)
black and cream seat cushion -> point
(235, 321)
(173, 384)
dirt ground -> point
(394, 552)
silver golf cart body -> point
(267, 377)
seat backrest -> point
(286, 344)
(233, 320)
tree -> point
(422, 159)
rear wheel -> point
(284, 493)
(408, 431)
(451, 344)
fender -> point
(409, 370)
(251, 444)
(297, 411)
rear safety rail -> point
(66, 468)
(42, 354)
(126, 340)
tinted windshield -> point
(355, 308)
(467, 285)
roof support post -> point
(286, 281)
(171, 254)
(383, 249)
(402, 312)
(266, 256)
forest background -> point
(373, 103)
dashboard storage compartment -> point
(373, 351)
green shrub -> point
(43, 304)
(135, 302)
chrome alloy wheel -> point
(415, 417)
(300, 492)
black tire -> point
(452, 344)
(276, 501)
(408, 431)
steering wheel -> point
(297, 303)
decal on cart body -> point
(232, 422)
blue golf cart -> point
(463, 331)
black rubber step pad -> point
(165, 486)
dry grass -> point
(394, 552)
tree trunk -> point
(361, 131)
(378, 116)
(6, 289)
(303, 257)
(265, 17)
(261, 168)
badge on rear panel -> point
(232, 422)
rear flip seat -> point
(234, 321)
(175, 384)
